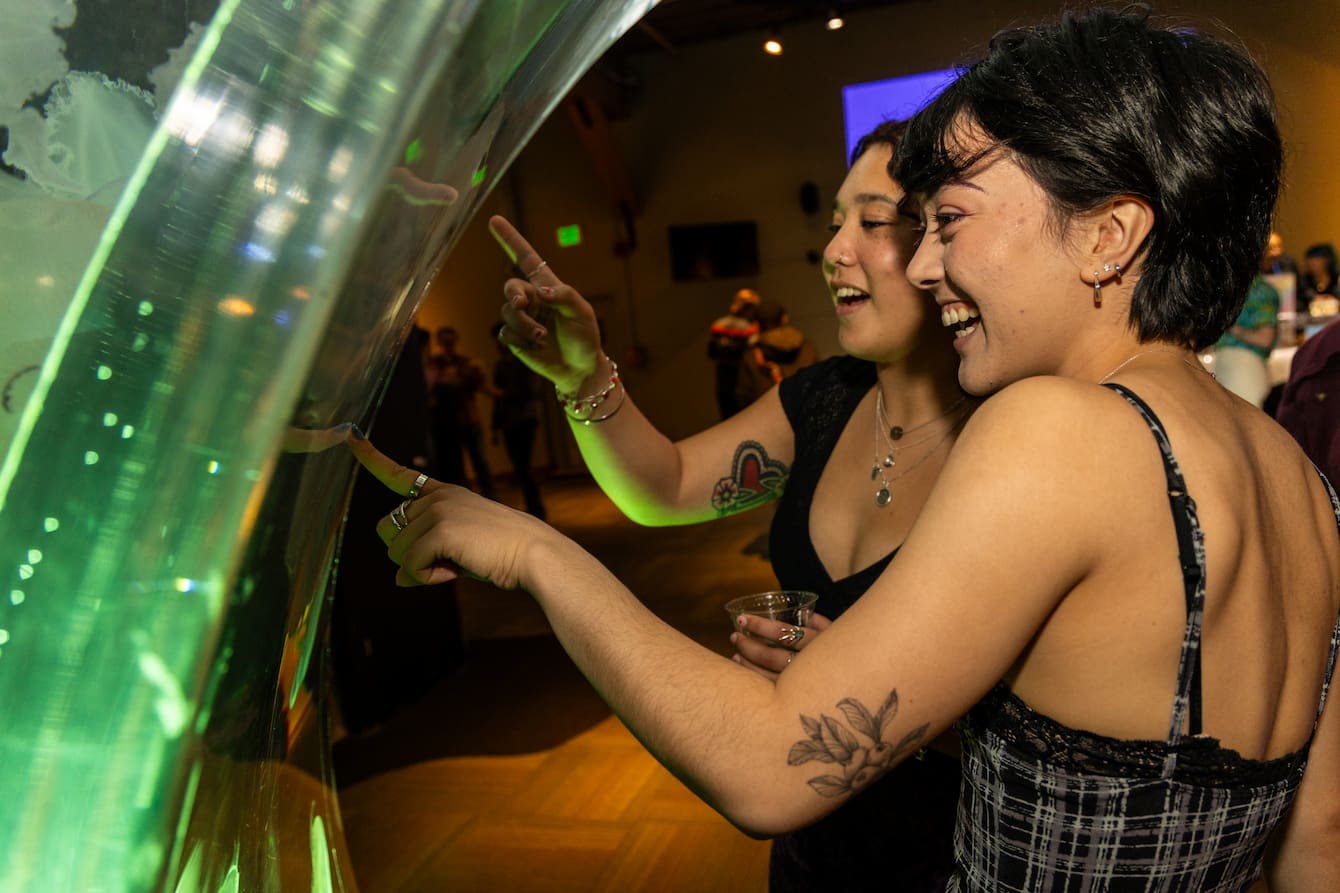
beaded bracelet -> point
(577, 404)
(623, 398)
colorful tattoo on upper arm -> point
(754, 479)
(830, 741)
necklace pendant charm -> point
(874, 472)
(883, 497)
(896, 432)
(889, 461)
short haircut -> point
(887, 133)
(1102, 104)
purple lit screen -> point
(866, 105)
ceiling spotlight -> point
(773, 44)
(835, 21)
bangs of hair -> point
(932, 152)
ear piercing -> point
(1098, 285)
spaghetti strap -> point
(1191, 555)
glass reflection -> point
(216, 232)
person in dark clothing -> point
(727, 339)
(1310, 405)
(454, 381)
(1319, 281)
(776, 451)
(775, 353)
(516, 419)
(1276, 259)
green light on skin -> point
(480, 176)
(570, 235)
(414, 151)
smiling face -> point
(1011, 289)
(881, 317)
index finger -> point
(520, 252)
(395, 476)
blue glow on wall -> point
(866, 105)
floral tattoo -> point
(830, 741)
(754, 479)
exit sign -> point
(569, 235)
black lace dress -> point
(897, 834)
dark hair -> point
(887, 133)
(770, 314)
(1104, 103)
(1326, 250)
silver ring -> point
(535, 272)
(417, 485)
(398, 519)
(791, 635)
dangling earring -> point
(1097, 290)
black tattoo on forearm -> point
(830, 741)
(754, 479)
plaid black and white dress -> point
(1045, 807)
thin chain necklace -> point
(1123, 363)
(896, 432)
(883, 496)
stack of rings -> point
(398, 518)
(535, 272)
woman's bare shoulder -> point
(1050, 415)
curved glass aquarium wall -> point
(217, 219)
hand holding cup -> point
(770, 628)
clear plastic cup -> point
(788, 606)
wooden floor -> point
(512, 776)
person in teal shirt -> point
(1240, 355)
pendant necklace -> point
(896, 432)
(883, 496)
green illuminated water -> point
(206, 264)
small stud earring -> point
(1107, 268)
(1118, 272)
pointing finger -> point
(396, 477)
(521, 253)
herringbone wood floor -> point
(512, 777)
